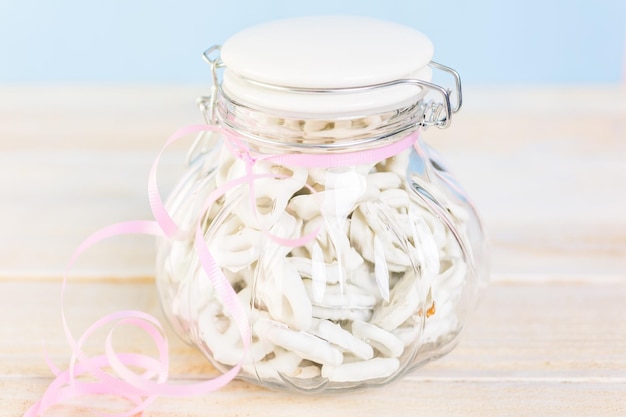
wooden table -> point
(546, 166)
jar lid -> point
(325, 52)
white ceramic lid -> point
(325, 52)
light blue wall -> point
(128, 41)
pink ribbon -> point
(143, 388)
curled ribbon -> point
(142, 389)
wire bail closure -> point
(208, 103)
(434, 112)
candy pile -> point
(381, 278)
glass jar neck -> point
(268, 130)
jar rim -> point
(316, 132)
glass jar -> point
(354, 251)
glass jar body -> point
(351, 274)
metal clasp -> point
(208, 103)
(432, 109)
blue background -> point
(141, 41)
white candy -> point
(408, 334)
(305, 268)
(229, 167)
(317, 176)
(303, 344)
(273, 252)
(381, 269)
(338, 314)
(437, 228)
(271, 194)
(338, 336)
(237, 250)
(306, 206)
(384, 341)
(318, 273)
(282, 362)
(450, 279)
(404, 301)
(222, 338)
(361, 371)
(361, 235)
(396, 164)
(364, 227)
(385, 180)
(396, 198)
(307, 372)
(283, 294)
(424, 247)
(380, 220)
(341, 297)
(344, 189)
(316, 125)
(178, 263)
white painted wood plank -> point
(433, 399)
